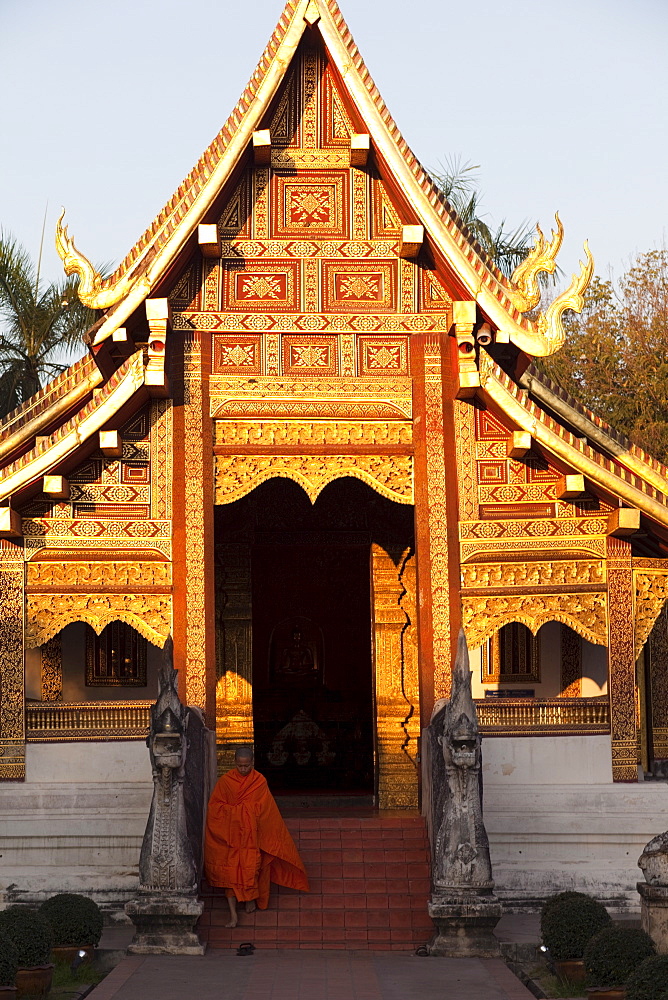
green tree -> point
(615, 359)
(458, 183)
(39, 325)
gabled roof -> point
(149, 260)
(642, 487)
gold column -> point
(571, 663)
(621, 661)
(51, 679)
(12, 628)
(396, 679)
(234, 663)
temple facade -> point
(308, 441)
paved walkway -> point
(310, 975)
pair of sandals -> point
(247, 948)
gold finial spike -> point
(525, 290)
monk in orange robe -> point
(246, 844)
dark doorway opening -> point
(312, 650)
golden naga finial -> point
(92, 290)
(525, 291)
(549, 324)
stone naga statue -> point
(463, 905)
(167, 908)
(461, 851)
(166, 861)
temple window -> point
(512, 655)
(116, 657)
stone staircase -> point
(369, 879)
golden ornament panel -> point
(389, 475)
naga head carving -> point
(524, 291)
(93, 290)
(542, 258)
(460, 741)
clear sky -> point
(107, 105)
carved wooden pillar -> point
(51, 672)
(234, 662)
(396, 681)
(436, 517)
(12, 629)
(194, 586)
(621, 661)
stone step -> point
(369, 880)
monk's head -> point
(243, 760)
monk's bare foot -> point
(232, 903)
(250, 906)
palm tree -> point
(457, 182)
(38, 326)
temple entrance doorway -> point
(298, 587)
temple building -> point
(309, 441)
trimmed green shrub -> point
(650, 980)
(74, 919)
(556, 901)
(614, 953)
(8, 960)
(567, 924)
(30, 933)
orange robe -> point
(246, 844)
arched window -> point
(116, 657)
(511, 655)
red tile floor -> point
(369, 877)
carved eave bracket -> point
(585, 613)
(651, 594)
(159, 316)
(48, 614)
(389, 475)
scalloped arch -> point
(389, 475)
(586, 614)
(148, 614)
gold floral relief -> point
(560, 573)
(584, 613)
(389, 475)
(98, 575)
(651, 591)
(313, 432)
(51, 672)
(48, 614)
(12, 718)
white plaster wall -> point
(76, 823)
(117, 761)
(546, 760)
(594, 670)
